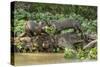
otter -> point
(32, 28)
(67, 24)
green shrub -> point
(87, 25)
(69, 53)
(92, 53)
(87, 54)
(87, 15)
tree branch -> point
(90, 44)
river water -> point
(40, 58)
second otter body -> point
(61, 25)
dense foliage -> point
(87, 15)
(81, 54)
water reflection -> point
(40, 58)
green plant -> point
(86, 15)
(92, 53)
(50, 30)
(81, 54)
(89, 54)
(69, 53)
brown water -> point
(40, 58)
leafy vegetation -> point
(81, 54)
(69, 53)
(87, 15)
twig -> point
(22, 34)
